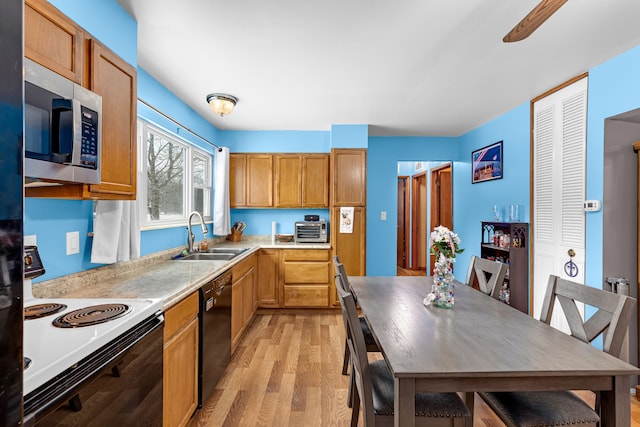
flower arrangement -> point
(444, 244)
(444, 241)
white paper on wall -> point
(346, 219)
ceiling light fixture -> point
(221, 103)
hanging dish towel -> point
(116, 234)
(221, 204)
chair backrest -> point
(357, 349)
(611, 319)
(340, 270)
(480, 268)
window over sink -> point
(175, 178)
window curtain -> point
(221, 203)
(116, 234)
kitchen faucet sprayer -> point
(191, 237)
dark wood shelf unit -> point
(513, 249)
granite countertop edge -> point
(156, 275)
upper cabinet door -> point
(238, 180)
(288, 192)
(349, 177)
(259, 180)
(115, 80)
(315, 181)
(53, 40)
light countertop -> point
(154, 276)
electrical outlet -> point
(383, 216)
(30, 240)
(73, 243)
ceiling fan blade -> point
(533, 20)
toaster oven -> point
(311, 232)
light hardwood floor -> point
(286, 371)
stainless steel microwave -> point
(62, 129)
(311, 231)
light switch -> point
(383, 216)
(73, 242)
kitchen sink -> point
(206, 256)
(214, 254)
(235, 251)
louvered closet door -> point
(559, 191)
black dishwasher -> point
(215, 333)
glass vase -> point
(443, 286)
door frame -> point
(418, 211)
(406, 230)
(434, 200)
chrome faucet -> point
(191, 237)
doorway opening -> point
(425, 200)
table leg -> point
(404, 402)
(615, 405)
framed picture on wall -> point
(486, 163)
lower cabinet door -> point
(180, 395)
(236, 314)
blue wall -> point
(383, 155)
(49, 219)
(614, 87)
(473, 202)
(276, 142)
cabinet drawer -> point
(243, 266)
(180, 314)
(306, 272)
(306, 255)
(306, 296)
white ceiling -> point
(408, 67)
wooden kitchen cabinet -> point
(279, 180)
(288, 178)
(348, 177)
(315, 180)
(302, 180)
(237, 180)
(268, 278)
(251, 180)
(259, 180)
(180, 365)
(349, 247)
(53, 40)
(305, 277)
(116, 81)
(50, 38)
(243, 297)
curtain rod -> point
(178, 123)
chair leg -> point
(352, 385)
(355, 409)
(345, 363)
(469, 398)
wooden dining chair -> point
(374, 384)
(370, 342)
(489, 275)
(551, 408)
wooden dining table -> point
(481, 344)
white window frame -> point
(190, 151)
